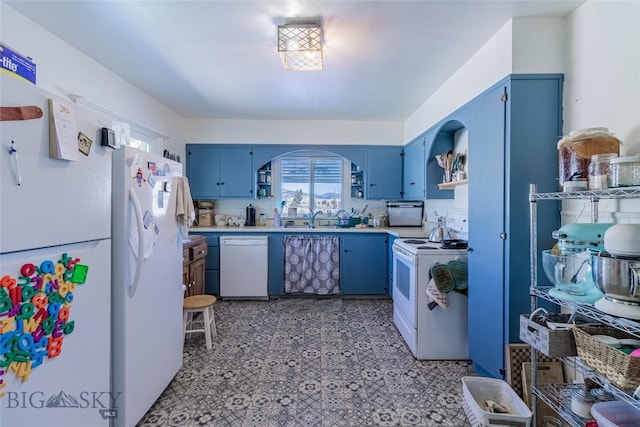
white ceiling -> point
(218, 59)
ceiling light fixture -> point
(300, 46)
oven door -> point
(404, 290)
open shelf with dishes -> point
(558, 396)
(357, 182)
(264, 181)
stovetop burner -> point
(415, 241)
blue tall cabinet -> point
(513, 130)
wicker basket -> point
(622, 370)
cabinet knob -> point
(222, 183)
(372, 185)
(469, 249)
(503, 236)
(412, 183)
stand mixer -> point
(616, 271)
(571, 277)
(569, 268)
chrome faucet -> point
(313, 217)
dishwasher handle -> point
(242, 242)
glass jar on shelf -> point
(599, 178)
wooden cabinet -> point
(414, 174)
(383, 175)
(219, 172)
(193, 265)
(363, 264)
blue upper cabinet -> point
(513, 130)
(413, 185)
(219, 172)
(383, 175)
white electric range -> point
(432, 333)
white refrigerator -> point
(55, 273)
(147, 334)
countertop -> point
(393, 231)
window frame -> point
(345, 184)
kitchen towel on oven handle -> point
(436, 296)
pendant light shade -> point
(300, 46)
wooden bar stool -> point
(199, 304)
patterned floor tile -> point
(309, 362)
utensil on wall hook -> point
(13, 152)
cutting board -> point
(548, 373)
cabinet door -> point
(384, 173)
(364, 265)
(414, 170)
(203, 171)
(186, 280)
(486, 228)
(390, 240)
(236, 175)
(212, 264)
(276, 264)
(196, 273)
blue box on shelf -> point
(17, 65)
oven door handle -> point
(404, 255)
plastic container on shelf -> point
(575, 151)
(599, 171)
(477, 390)
(625, 171)
(616, 413)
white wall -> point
(523, 45)
(602, 88)
(487, 66)
(64, 70)
(294, 132)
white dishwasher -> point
(244, 267)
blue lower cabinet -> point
(363, 262)
(212, 265)
(390, 240)
(276, 264)
(212, 282)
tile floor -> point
(309, 362)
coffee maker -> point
(251, 216)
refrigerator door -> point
(147, 280)
(61, 377)
(57, 201)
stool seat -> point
(198, 301)
(199, 304)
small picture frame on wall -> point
(84, 143)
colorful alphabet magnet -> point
(34, 313)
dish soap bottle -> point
(277, 221)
